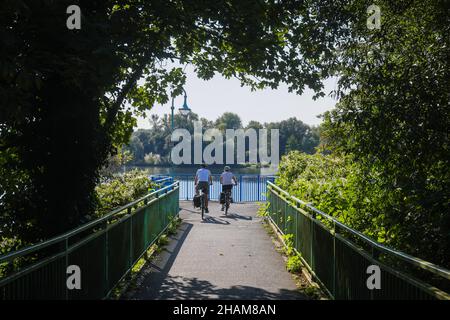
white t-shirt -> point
(227, 178)
(203, 174)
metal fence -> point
(338, 256)
(105, 251)
(162, 180)
(250, 188)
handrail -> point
(161, 179)
(443, 272)
(219, 173)
(32, 248)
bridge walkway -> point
(222, 257)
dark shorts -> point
(227, 187)
(204, 186)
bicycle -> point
(227, 200)
(200, 193)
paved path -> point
(223, 257)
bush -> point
(123, 189)
(7, 245)
(337, 186)
(294, 264)
(359, 197)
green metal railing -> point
(338, 256)
(105, 250)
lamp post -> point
(184, 110)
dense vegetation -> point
(388, 173)
(393, 121)
(152, 146)
(64, 92)
(64, 95)
(333, 184)
(114, 191)
(121, 190)
(357, 196)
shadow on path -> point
(235, 216)
(182, 288)
(210, 219)
(155, 272)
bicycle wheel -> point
(227, 202)
(203, 204)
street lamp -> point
(184, 110)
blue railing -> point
(162, 180)
(250, 188)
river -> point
(179, 170)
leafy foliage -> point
(393, 119)
(122, 190)
(294, 264)
(70, 97)
(357, 197)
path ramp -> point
(222, 257)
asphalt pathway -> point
(222, 257)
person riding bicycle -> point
(227, 180)
(203, 179)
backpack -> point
(197, 201)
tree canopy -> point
(70, 97)
(64, 92)
(393, 118)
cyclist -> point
(227, 180)
(203, 179)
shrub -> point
(123, 189)
(357, 196)
(294, 264)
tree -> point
(295, 135)
(393, 118)
(228, 120)
(254, 125)
(136, 147)
(64, 91)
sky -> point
(209, 99)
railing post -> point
(258, 189)
(312, 239)
(106, 260)
(297, 205)
(131, 237)
(240, 188)
(177, 203)
(334, 259)
(66, 240)
(374, 257)
(285, 214)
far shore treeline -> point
(153, 146)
